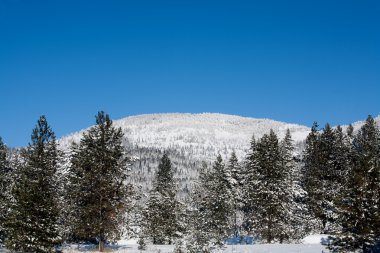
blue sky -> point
(293, 61)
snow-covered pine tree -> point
(199, 237)
(328, 180)
(234, 180)
(97, 190)
(272, 195)
(220, 200)
(359, 210)
(342, 162)
(249, 187)
(326, 162)
(31, 225)
(5, 183)
(296, 224)
(311, 175)
(161, 213)
(212, 208)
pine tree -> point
(249, 187)
(212, 208)
(162, 208)
(234, 186)
(97, 190)
(359, 208)
(324, 162)
(342, 161)
(310, 172)
(328, 179)
(200, 235)
(141, 243)
(296, 224)
(4, 187)
(272, 195)
(220, 205)
(31, 225)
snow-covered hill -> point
(190, 139)
(203, 135)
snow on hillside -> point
(204, 135)
(358, 124)
(190, 139)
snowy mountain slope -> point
(190, 139)
(204, 135)
(358, 124)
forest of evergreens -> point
(274, 195)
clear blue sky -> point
(294, 61)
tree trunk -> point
(101, 245)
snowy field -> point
(259, 248)
(311, 244)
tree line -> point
(273, 195)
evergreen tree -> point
(213, 207)
(4, 187)
(296, 224)
(249, 187)
(342, 161)
(162, 224)
(272, 191)
(234, 179)
(31, 225)
(359, 208)
(200, 235)
(97, 190)
(325, 162)
(328, 179)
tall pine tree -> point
(4, 187)
(249, 187)
(296, 224)
(212, 206)
(31, 225)
(359, 209)
(234, 180)
(324, 162)
(97, 190)
(270, 184)
(161, 214)
(198, 219)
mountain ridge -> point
(189, 140)
(172, 120)
(166, 130)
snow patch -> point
(316, 239)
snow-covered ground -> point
(258, 248)
(311, 244)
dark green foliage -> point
(200, 235)
(162, 211)
(179, 246)
(97, 188)
(141, 243)
(296, 224)
(271, 197)
(311, 174)
(5, 184)
(326, 164)
(235, 180)
(249, 188)
(31, 225)
(212, 202)
(359, 213)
